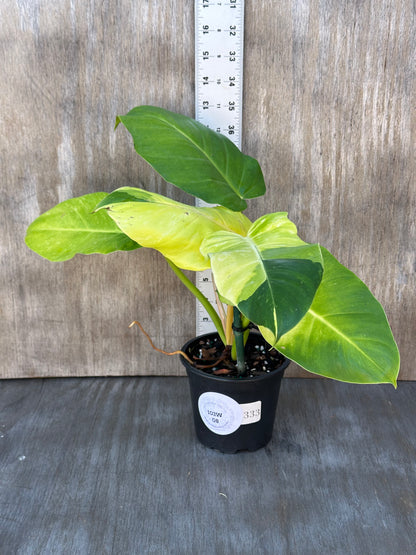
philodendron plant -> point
(304, 302)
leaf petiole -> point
(201, 298)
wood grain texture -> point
(71, 67)
(111, 466)
(328, 111)
(332, 122)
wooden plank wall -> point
(329, 87)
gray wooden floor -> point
(110, 466)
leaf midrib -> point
(345, 337)
(224, 176)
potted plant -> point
(302, 303)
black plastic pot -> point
(233, 414)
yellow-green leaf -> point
(71, 228)
(174, 229)
(345, 334)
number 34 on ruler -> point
(219, 35)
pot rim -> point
(225, 379)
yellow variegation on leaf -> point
(271, 275)
(174, 229)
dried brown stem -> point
(155, 348)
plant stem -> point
(245, 323)
(220, 308)
(229, 336)
(201, 298)
(239, 341)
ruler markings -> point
(219, 37)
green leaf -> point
(271, 275)
(345, 334)
(196, 159)
(174, 229)
(71, 228)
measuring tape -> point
(219, 36)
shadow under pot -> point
(234, 413)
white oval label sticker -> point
(221, 414)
